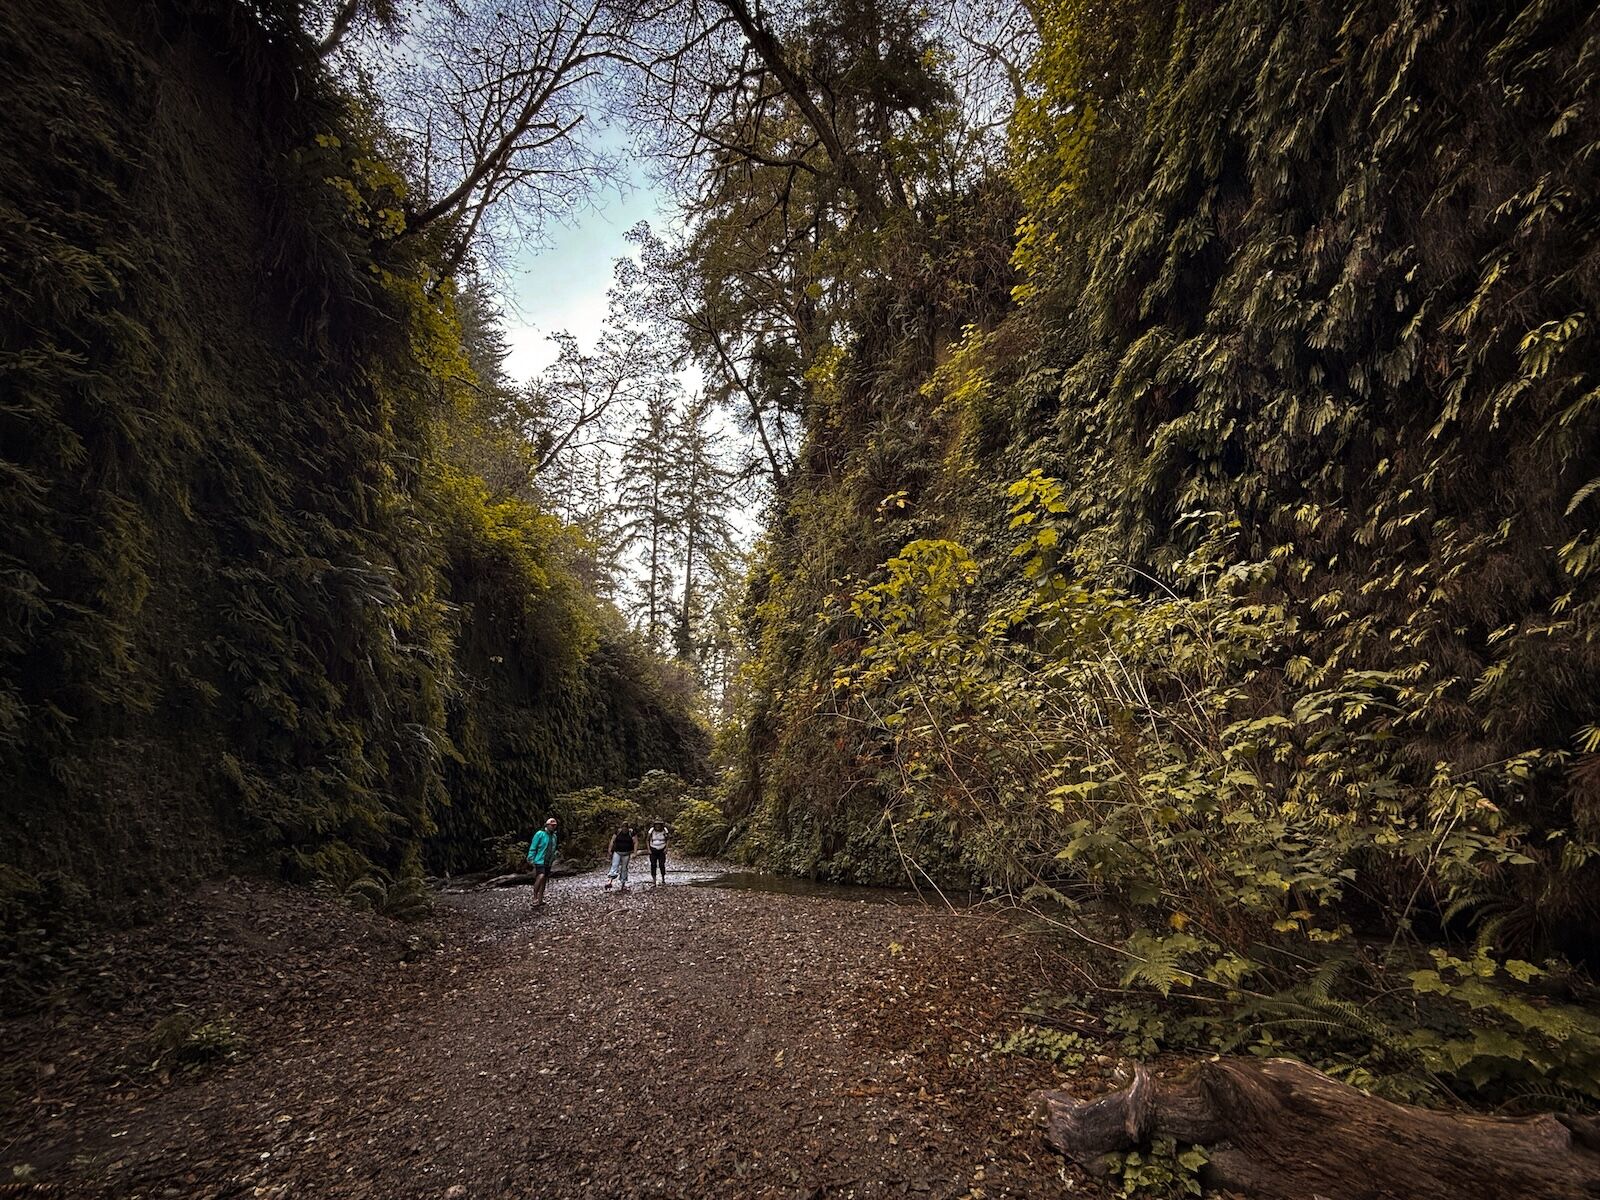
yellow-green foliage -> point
(1347, 330)
(964, 396)
(701, 827)
(1148, 749)
(1090, 56)
(252, 602)
(506, 547)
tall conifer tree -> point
(702, 497)
(648, 501)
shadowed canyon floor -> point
(676, 1041)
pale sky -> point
(563, 284)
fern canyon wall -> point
(259, 606)
(1205, 513)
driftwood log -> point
(1279, 1130)
(483, 880)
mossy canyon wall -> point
(251, 610)
(1304, 329)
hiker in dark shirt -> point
(622, 851)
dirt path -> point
(681, 1041)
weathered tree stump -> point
(1280, 1130)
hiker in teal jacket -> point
(542, 854)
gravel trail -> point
(673, 1042)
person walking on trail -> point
(542, 856)
(622, 852)
(657, 839)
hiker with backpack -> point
(656, 839)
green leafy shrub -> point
(701, 827)
(660, 796)
(1126, 747)
(508, 854)
(589, 820)
(1064, 1047)
(591, 816)
(1165, 1169)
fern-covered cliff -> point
(1241, 568)
(256, 607)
